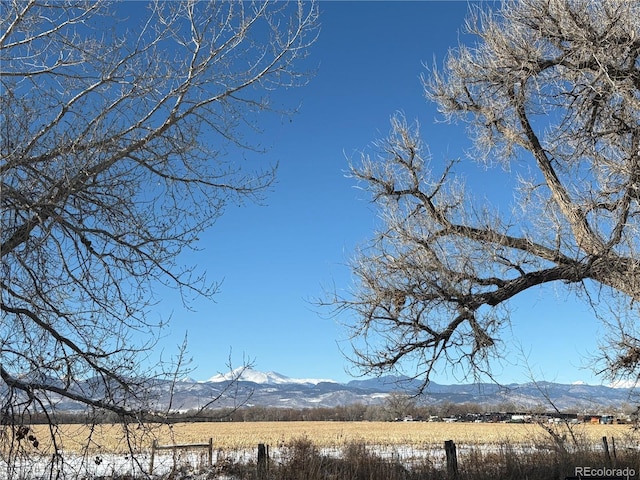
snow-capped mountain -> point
(268, 389)
(264, 378)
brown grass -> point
(299, 448)
(233, 436)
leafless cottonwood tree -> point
(117, 124)
(551, 92)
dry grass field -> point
(236, 436)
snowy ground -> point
(189, 463)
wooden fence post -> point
(613, 448)
(452, 459)
(154, 444)
(606, 450)
(210, 452)
(262, 461)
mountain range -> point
(270, 389)
(250, 387)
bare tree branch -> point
(550, 90)
(115, 139)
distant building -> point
(606, 419)
(520, 418)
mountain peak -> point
(246, 374)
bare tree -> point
(115, 137)
(399, 405)
(551, 92)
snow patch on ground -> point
(194, 464)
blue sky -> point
(274, 259)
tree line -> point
(397, 407)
